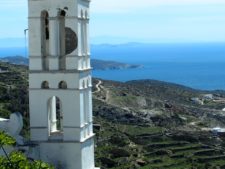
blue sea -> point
(199, 66)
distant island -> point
(106, 65)
(18, 60)
(95, 63)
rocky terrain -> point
(155, 125)
(141, 124)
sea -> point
(196, 65)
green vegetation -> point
(129, 146)
(17, 160)
(14, 92)
(155, 125)
(6, 139)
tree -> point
(16, 159)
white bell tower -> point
(60, 95)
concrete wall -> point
(68, 155)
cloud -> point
(118, 6)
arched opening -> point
(87, 61)
(62, 39)
(55, 115)
(85, 109)
(86, 81)
(89, 81)
(83, 63)
(45, 39)
(62, 85)
(45, 85)
(83, 84)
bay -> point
(199, 66)
(205, 76)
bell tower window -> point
(55, 115)
(62, 39)
(62, 85)
(45, 85)
(45, 39)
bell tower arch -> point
(60, 105)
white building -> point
(60, 97)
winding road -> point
(98, 87)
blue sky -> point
(121, 21)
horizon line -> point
(125, 43)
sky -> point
(149, 21)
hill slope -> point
(155, 125)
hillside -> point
(143, 124)
(19, 60)
(14, 92)
(156, 125)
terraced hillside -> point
(140, 125)
(129, 146)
